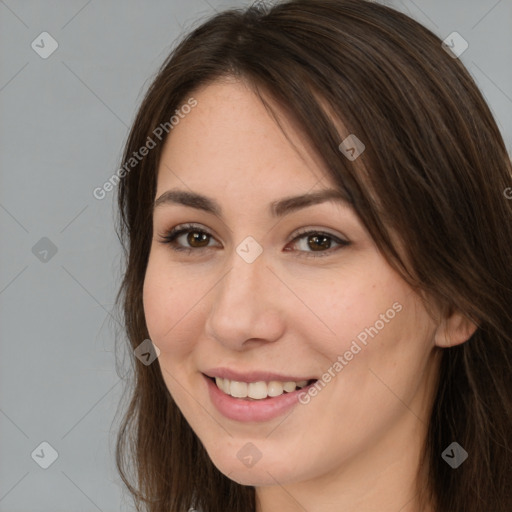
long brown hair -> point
(434, 171)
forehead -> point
(230, 135)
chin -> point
(263, 472)
(256, 476)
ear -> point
(454, 330)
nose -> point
(247, 306)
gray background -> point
(63, 123)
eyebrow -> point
(278, 208)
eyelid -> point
(318, 230)
(169, 236)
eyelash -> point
(171, 236)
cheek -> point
(384, 341)
(171, 318)
(348, 306)
(169, 309)
(368, 322)
(157, 298)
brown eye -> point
(187, 238)
(318, 242)
(198, 238)
(321, 242)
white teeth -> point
(257, 390)
(289, 386)
(238, 389)
(275, 388)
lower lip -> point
(265, 409)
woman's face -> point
(252, 298)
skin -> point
(356, 445)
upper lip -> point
(253, 375)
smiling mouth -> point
(258, 390)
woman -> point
(319, 249)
